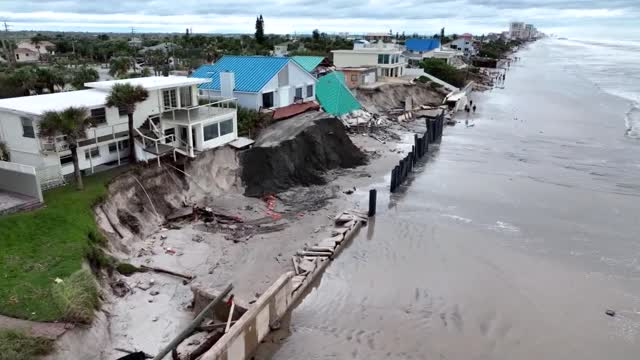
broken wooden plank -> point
(180, 213)
(296, 268)
(307, 265)
(165, 271)
(321, 249)
(313, 253)
(205, 345)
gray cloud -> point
(487, 13)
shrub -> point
(444, 71)
(4, 151)
(435, 85)
(15, 345)
(250, 121)
(77, 297)
(127, 269)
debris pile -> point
(309, 261)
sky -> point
(574, 18)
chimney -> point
(227, 83)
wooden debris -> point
(180, 213)
(205, 345)
(321, 249)
(296, 268)
(212, 327)
(308, 264)
(313, 253)
(165, 271)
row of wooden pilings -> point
(432, 135)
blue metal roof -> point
(415, 44)
(252, 73)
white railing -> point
(58, 144)
(204, 111)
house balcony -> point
(196, 114)
(95, 135)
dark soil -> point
(285, 158)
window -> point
(169, 99)
(309, 91)
(267, 100)
(92, 153)
(66, 160)
(170, 132)
(123, 144)
(354, 77)
(185, 96)
(210, 132)
(386, 59)
(99, 116)
(226, 127)
(122, 111)
(27, 128)
(380, 59)
(299, 93)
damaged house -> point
(169, 122)
(258, 82)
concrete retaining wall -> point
(244, 336)
(20, 179)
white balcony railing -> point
(95, 135)
(201, 112)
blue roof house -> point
(417, 48)
(258, 82)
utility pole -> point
(7, 46)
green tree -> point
(82, 75)
(259, 30)
(26, 77)
(443, 71)
(315, 35)
(119, 67)
(155, 58)
(128, 96)
(72, 123)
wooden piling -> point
(372, 202)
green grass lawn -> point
(39, 246)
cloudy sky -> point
(576, 18)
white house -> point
(387, 58)
(258, 82)
(465, 44)
(170, 122)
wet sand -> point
(510, 243)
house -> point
(165, 47)
(135, 42)
(281, 50)
(416, 48)
(258, 82)
(24, 55)
(316, 65)
(464, 44)
(42, 47)
(447, 54)
(357, 76)
(378, 36)
(170, 121)
(387, 58)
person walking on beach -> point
(474, 108)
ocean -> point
(512, 240)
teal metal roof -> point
(334, 96)
(252, 73)
(308, 62)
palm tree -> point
(71, 122)
(127, 96)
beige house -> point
(26, 55)
(42, 47)
(386, 58)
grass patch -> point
(15, 345)
(77, 297)
(45, 244)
